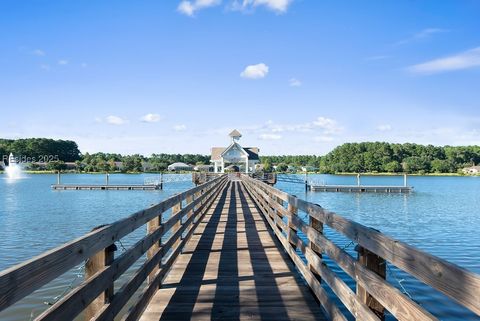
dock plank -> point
(233, 268)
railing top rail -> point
(22, 279)
(454, 281)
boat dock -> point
(150, 184)
(236, 248)
(116, 187)
(360, 188)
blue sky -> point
(294, 76)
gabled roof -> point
(235, 133)
(252, 152)
(234, 144)
(217, 152)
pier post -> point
(195, 209)
(376, 264)
(106, 178)
(175, 209)
(153, 225)
(189, 200)
(58, 177)
(317, 226)
(405, 179)
(358, 179)
(292, 210)
(93, 265)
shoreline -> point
(283, 173)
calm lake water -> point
(441, 217)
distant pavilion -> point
(244, 157)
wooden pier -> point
(235, 248)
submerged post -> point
(93, 265)
(376, 264)
(306, 181)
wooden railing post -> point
(152, 226)
(376, 264)
(190, 198)
(175, 209)
(195, 209)
(93, 265)
(317, 226)
(292, 230)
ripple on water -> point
(441, 217)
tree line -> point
(40, 149)
(347, 158)
(395, 158)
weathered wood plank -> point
(401, 306)
(209, 279)
(139, 306)
(22, 279)
(330, 308)
(456, 282)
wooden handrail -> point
(456, 282)
(20, 280)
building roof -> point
(235, 133)
(217, 152)
(251, 151)
(179, 164)
(473, 167)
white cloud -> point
(278, 6)
(38, 52)
(384, 127)
(328, 125)
(323, 139)
(179, 128)
(294, 82)
(255, 71)
(378, 57)
(464, 60)
(190, 7)
(115, 120)
(45, 67)
(423, 34)
(83, 65)
(63, 62)
(270, 137)
(97, 119)
(151, 118)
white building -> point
(179, 167)
(244, 157)
(473, 170)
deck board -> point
(233, 268)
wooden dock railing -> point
(96, 297)
(374, 293)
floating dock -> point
(360, 188)
(129, 187)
